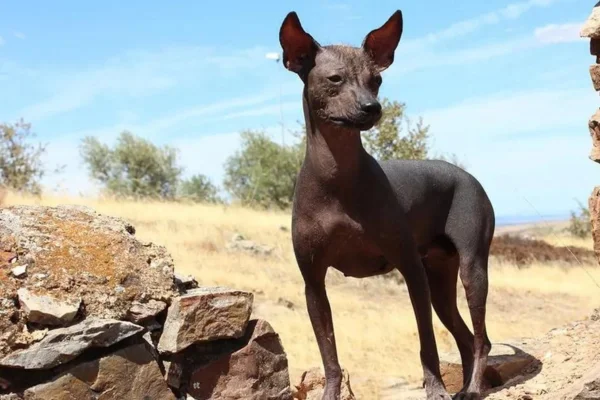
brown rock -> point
(73, 253)
(594, 128)
(257, 371)
(591, 27)
(312, 385)
(144, 312)
(505, 361)
(595, 75)
(594, 207)
(205, 314)
(130, 373)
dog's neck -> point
(333, 154)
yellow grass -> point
(375, 327)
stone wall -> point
(87, 311)
(591, 30)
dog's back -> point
(437, 196)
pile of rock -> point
(591, 29)
(87, 311)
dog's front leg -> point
(418, 289)
(319, 312)
(403, 254)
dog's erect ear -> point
(299, 48)
(381, 43)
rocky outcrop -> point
(87, 311)
(591, 29)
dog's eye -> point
(378, 80)
(335, 78)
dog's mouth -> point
(363, 123)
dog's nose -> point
(371, 107)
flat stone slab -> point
(65, 344)
(205, 314)
(505, 361)
(46, 310)
(130, 373)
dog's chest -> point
(350, 250)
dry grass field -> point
(375, 326)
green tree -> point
(20, 161)
(580, 224)
(263, 172)
(134, 167)
(199, 189)
(395, 137)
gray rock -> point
(185, 282)
(239, 243)
(63, 345)
(46, 310)
(205, 314)
(20, 271)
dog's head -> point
(342, 82)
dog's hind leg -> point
(442, 273)
(474, 276)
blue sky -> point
(504, 85)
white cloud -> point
(559, 33)
(465, 27)
(524, 145)
(436, 59)
(19, 35)
(508, 115)
(138, 73)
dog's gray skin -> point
(429, 219)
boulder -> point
(129, 373)
(74, 255)
(205, 314)
(257, 371)
(505, 361)
(45, 310)
(312, 385)
(62, 345)
(591, 27)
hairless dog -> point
(429, 219)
